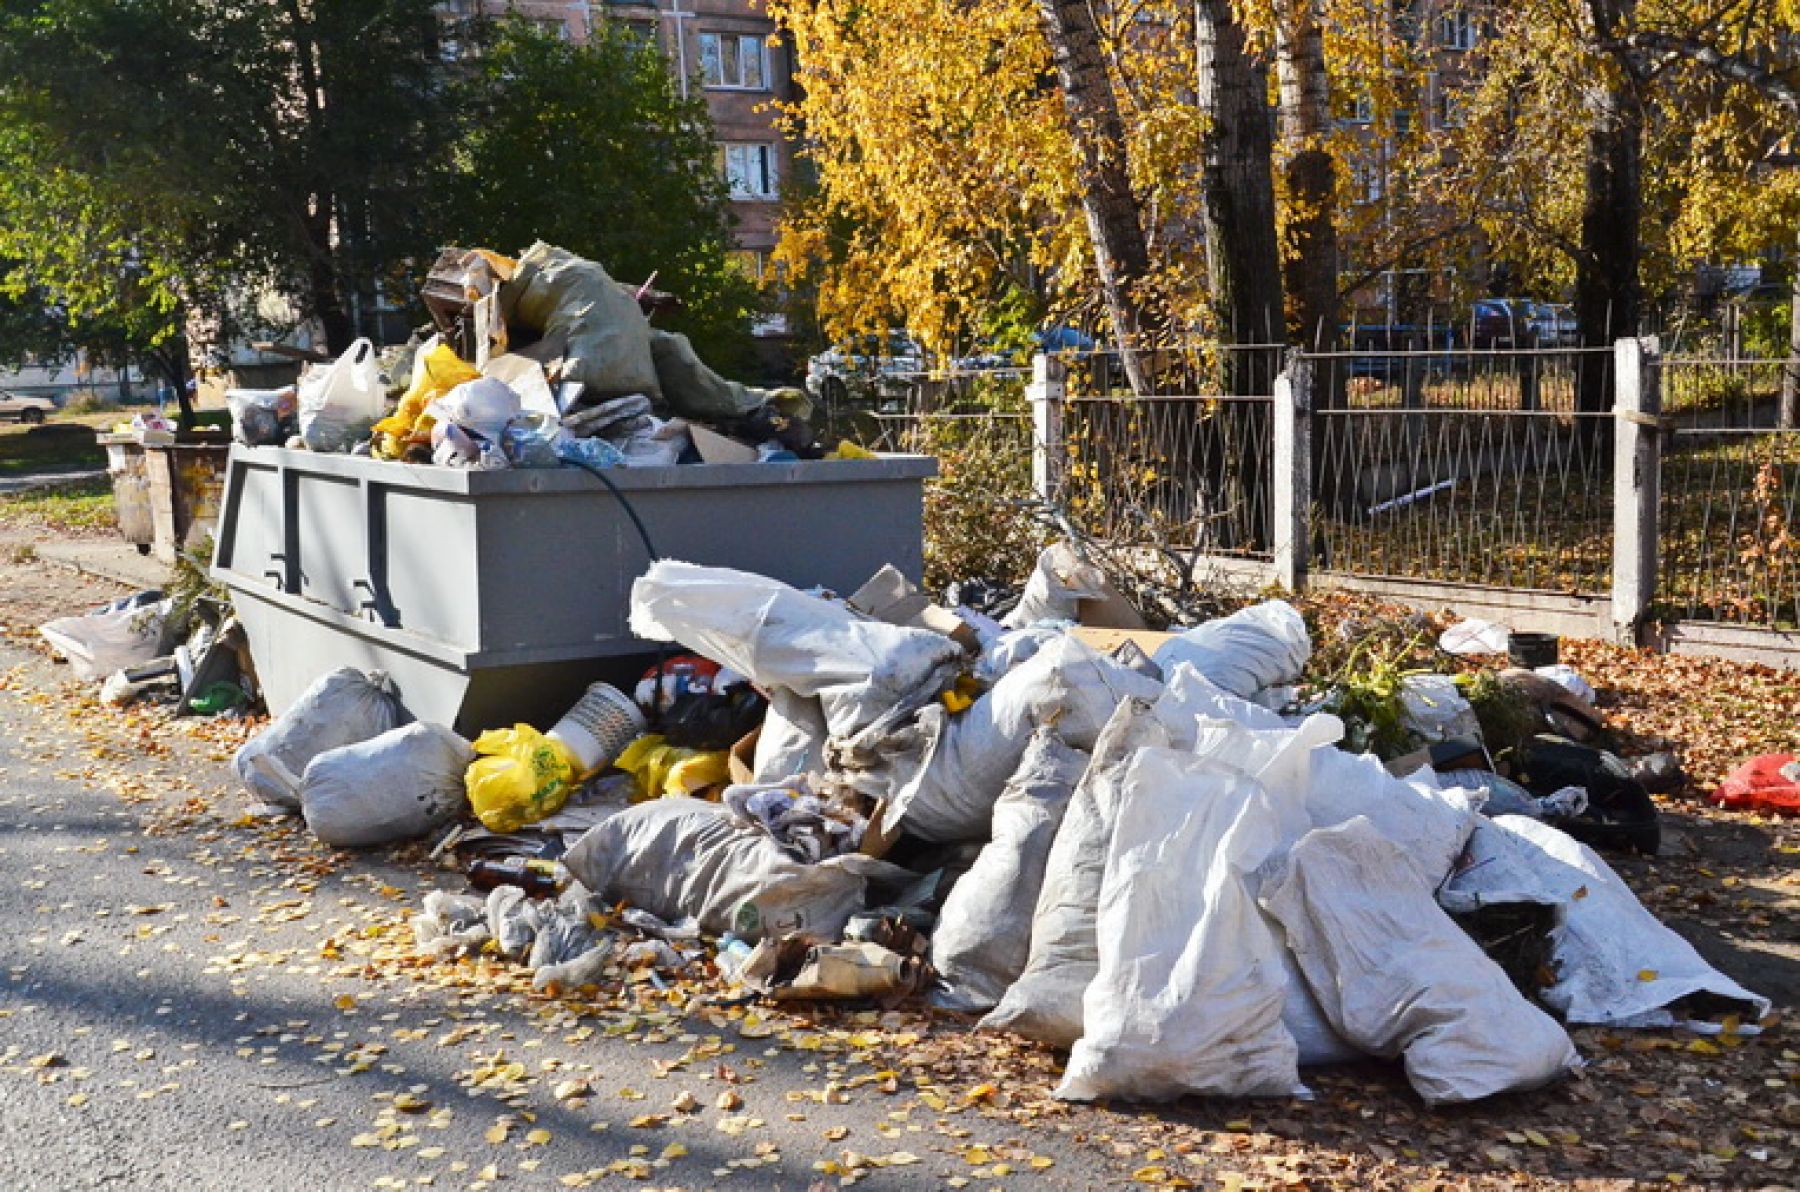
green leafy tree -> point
(594, 148)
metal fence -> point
(1463, 467)
(1730, 489)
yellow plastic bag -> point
(520, 777)
(435, 373)
(849, 450)
(664, 769)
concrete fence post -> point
(1049, 454)
(1291, 473)
(1637, 481)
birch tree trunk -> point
(1114, 218)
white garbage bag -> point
(1429, 826)
(341, 708)
(1045, 1002)
(1615, 963)
(1059, 583)
(677, 857)
(338, 402)
(1189, 992)
(398, 786)
(1014, 648)
(983, 933)
(1434, 709)
(792, 740)
(112, 639)
(968, 757)
(778, 636)
(1190, 695)
(1265, 645)
(1398, 978)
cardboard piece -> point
(742, 762)
(715, 448)
(1112, 611)
(1105, 641)
(875, 842)
(889, 596)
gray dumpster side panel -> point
(495, 597)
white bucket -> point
(599, 727)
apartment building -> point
(728, 51)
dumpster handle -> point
(649, 547)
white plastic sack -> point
(97, 644)
(338, 402)
(778, 636)
(1434, 709)
(1045, 1002)
(482, 407)
(1474, 636)
(1265, 645)
(1604, 942)
(1013, 648)
(1429, 826)
(1398, 978)
(340, 708)
(679, 857)
(1059, 583)
(792, 741)
(397, 786)
(1570, 680)
(1190, 695)
(1189, 991)
(969, 756)
(983, 933)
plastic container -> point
(1532, 650)
(599, 727)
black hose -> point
(632, 513)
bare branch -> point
(1732, 66)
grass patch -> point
(64, 447)
(80, 506)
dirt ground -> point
(1652, 1108)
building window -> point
(1369, 182)
(750, 169)
(1363, 110)
(1450, 111)
(1456, 31)
(739, 61)
(748, 262)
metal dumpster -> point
(495, 597)
(166, 495)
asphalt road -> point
(172, 1016)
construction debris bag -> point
(1059, 583)
(397, 786)
(341, 708)
(605, 338)
(792, 741)
(1615, 963)
(1045, 1002)
(1192, 696)
(1434, 709)
(1265, 645)
(1014, 648)
(778, 636)
(1430, 826)
(114, 638)
(1398, 978)
(968, 757)
(678, 857)
(691, 389)
(1189, 991)
(983, 933)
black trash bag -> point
(1620, 815)
(714, 719)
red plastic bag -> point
(1760, 785)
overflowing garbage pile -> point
(1155, 851)
(535, 362)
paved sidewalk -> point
(13, 485)
(107, 558)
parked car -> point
(869, 369)
(29, 410)
(1553, 325)
(1501, 323)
